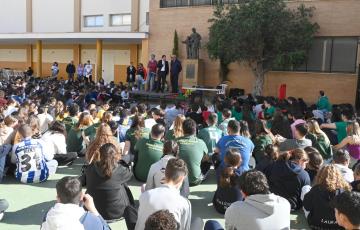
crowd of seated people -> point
(271, 157)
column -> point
(39, 58)
(135, 8)
(98, 67)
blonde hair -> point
(314, 128)
(331, 179)
(353, 130)
(10, 120)
(178, 130)
(104, 135)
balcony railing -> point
(182, 3)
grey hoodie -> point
(259, 212)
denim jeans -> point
(4, 150)
(151, 81)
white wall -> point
(13, 16)
(53, 16)
(15, 55)
(144, 8)
(105, 8)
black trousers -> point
(64, 159)
(174, 78)
(161, 81)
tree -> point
(261, 33)
(175, 50)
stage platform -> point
(153, 96)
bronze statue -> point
(193, 43)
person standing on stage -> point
(152, 65)
(88, 69)
(163, 71)
(130, 74)
(174, 73)
(70, 70)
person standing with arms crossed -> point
(175, 70)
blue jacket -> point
(175, 67)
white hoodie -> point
(157, 173)
(64, 217)
(259, 212)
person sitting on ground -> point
(235, 141)
(68, 213)
(104, 135)
(194, 114)
(323, 103)
(226, 115)
(271, 155)
(106, 182)
(45, 119)
(352, 141)
(156, 173)
(356, 183)
(347, 209)
(167, 197)
(298, 118)
(280, 125)
(270, 109)
(104, 107)
(300, 141)
(315, 162)
(319, 140)
(260, 210)
(341, 160)
(4, 205)
(211, 134)
(161, 220)
(33, 162)
(340, 126)
(176, 130)
(155, 114)
(261, 140)
(287, 176)
(227, 174)
(328, 184)
(76, 140)
(71, 120)
(148, 151)
(133, 135)
(192, 150)
(55, 140)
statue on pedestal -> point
(193, 43)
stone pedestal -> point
(192, 72)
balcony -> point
(187, 3)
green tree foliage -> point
(261, 33)
(175, 50)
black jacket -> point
(131, 72)
(317, 202)
(286, 179)
(111, 196)
(70, 68)
(159, 66)
(175, 67)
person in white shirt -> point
(167, 197)
(11, 107)
(88, 69)
(55, 141)
(55, 69)
(150, 122)
(260, 210)
(341, 159)
(45, 119)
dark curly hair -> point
(254, 182)
(161, 220)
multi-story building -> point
(109, 33)
(332, 64)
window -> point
(200, 2)
(147, 18)
(94, 21)
(120, 19)
(337, 54)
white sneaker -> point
(1, 216)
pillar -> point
(98, 67)
(29, 56)
(39, 58)
(135, 8)
(144, 51)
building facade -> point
(110, 34)
(332, 64)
